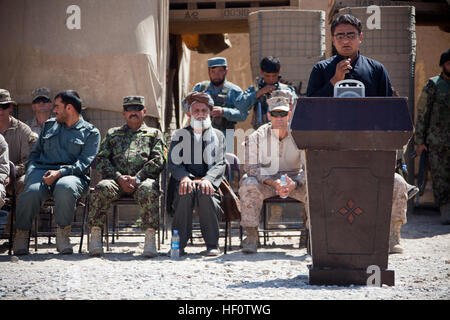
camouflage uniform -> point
(288, 160)
(4, 168)
(140, 154)
(433, 129)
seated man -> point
(19, 137)
(130, 160)
(42, 109)
(197, 164)
(4, 169)
(269, 153)
(59, 168)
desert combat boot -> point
(63, 245)
(394, 237)
(95, 243)
(250, 243)
(20, 245)
(150, 245)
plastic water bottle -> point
(283, 183)
(175, 246)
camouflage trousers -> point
(439, 158)
(106, 191)
(399, 199)
(252, 194)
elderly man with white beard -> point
(197, 164)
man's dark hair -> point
(346, 19)
(270, 64)
(70, 97)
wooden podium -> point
(351, 148)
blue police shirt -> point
(371, 73)
(68, 149)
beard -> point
(218, 83)
(201, 124)
(446, 72)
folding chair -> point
(233, 168)
(50, 203)
(267, 229)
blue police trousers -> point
(65, 192)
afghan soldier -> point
(270, 152)
(19, 137)
(433, 133)
(42, 109)
(256, 96)
(58, 167)
(130, 160)
(226, 95)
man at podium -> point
(348, 63)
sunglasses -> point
(41, 99)
(133, 108)
(4, 106)
(277, 114)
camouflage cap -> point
(201, 97)
(134, 101)
(5, 97)
(283, 94)
(41, 92)
(278, 103)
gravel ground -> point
(278, 272)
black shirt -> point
(370, 72)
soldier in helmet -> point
(433, 133)
(130, 160)
(42, 109)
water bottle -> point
(175, 246)
(283, 183)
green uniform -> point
(140, 154)
(433, 130)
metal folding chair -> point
(268, 229)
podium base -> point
(346, 277)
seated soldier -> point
(59, 168)
(130, 160)
(270, 152)
(19, 137)
(4, 169)
(197, 164)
